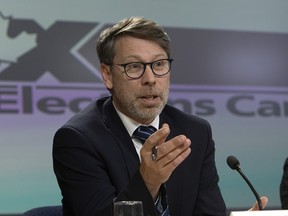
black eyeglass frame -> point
(170, 60)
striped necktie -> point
(143, 132)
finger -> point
(173, 147)
(149, 149)
(263, 200)
(171, 166)
(167, 152)
(157, 138)
(164, 132)
(165, 127)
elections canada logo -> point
(48, 70)
(54, 70)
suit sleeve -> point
(86, 182)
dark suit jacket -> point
(95, 163)
(284, 186)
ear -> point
(106, 75)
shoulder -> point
(88, 120)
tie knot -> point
(143, 132)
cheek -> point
(165, 83)
(116, 81)
(121, 87)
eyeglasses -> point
(135, 70)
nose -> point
(148, 76)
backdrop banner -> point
(236, 79)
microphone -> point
(234, 164)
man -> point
(98, 159)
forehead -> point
(131, 47)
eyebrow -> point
(139, 58)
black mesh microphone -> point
(234, 164)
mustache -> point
(149, 92)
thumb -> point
(263, 200)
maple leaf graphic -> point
(12, 48)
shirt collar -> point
(131, 125)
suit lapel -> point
(121, 136)
(174, 131)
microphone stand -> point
(251, 187)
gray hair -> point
(134, 26)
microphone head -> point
(233, 162)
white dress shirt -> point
(131, 126)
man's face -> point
(140, 99)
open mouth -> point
(150, 100)
(150, 97)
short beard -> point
(135, 111)
(145, 114)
